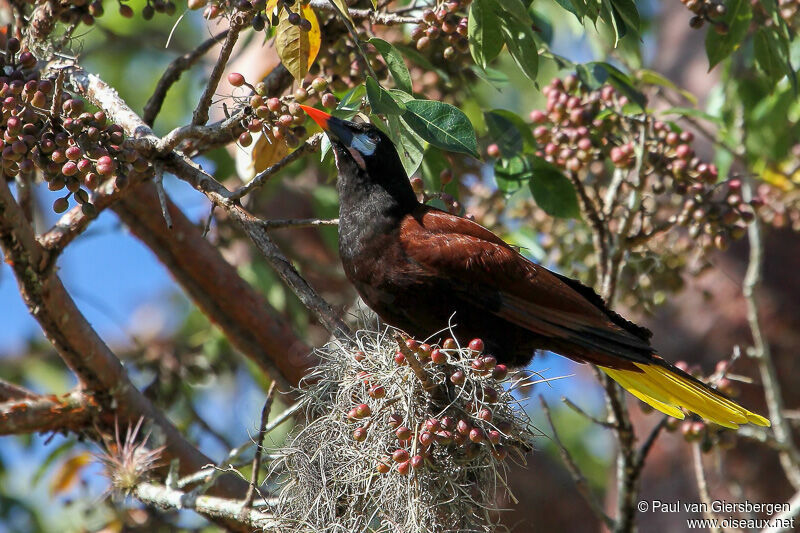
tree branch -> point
(72, 412)
(210, 506)
(239, 21)
(789, 456)
(577, 476)
(173, 73)
(97, 368)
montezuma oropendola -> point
(417, 266)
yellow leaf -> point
(314, 34)
(263, 152)
(271, 5)
(342, 5)
(67, 475)
(297, 48)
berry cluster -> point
(48, 129)
(459, 431)
(707, 11)
(280, 118)
(582, 131)
(85, 12)
(443, 29)
(256, 9)
(343, 64)
(392, 408)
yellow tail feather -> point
(668, 392)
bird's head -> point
(360, 148)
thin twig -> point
(577, 476)
(256, 466)
(785, 521)
(173, 73)
(702, 487)
(789, 457)
(238, 22)
(298, 223)
(158, 180)
(311, 145)
(603, 423)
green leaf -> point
(410, 146)
(413, 55)
(394, 61)
(350, 104)
(626, 10)
(381, 100)
(692, 112)
(511, 174)
(652, 77)
(504, 133)
(772, 56)
(493, 77)
(523, 127)
(521, 43)
(543, 27)
(738, 16)
(595, 73)
(485, 38)
(553, 192)
(442, 125)
(576, 7)
(610, 16)
(517, 10)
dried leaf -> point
(68, 473)
(297, 48)
(263, 152)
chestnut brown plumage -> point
(422, 269)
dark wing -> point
(494, 276)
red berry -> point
(485, 414)
(438, 357)
(383, 467)
(458, 377)
(377, 391)
(494, 436)
(360, 356)
(417, 461)
(424, 351)
(464, 427)
(363, 410)
(404, 468)
(360, 434)
(403, 433)
(449, 344)
(426, 438)
(236, 79)
(412, 345)
(400, 455)
(476, 435)
(432, 425)
(476, 345)
(493, 150)
(500, 372)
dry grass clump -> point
(402, 437)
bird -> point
(417, 266)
